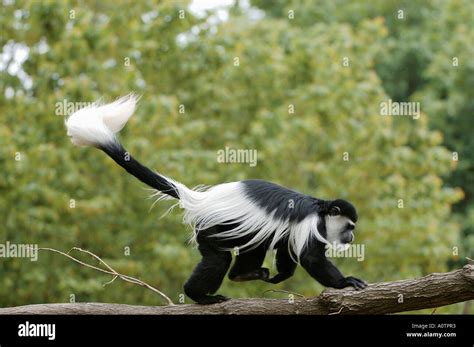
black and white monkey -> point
(251, 216)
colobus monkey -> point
(250, 216)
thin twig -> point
(93, 255)
(110, 270)
(98, 259)
(338, 312)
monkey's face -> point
(341, 219)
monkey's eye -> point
(335, 211)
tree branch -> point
(435, 290)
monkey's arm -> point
(285, 265)
(326, 273)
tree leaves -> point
(290, 97)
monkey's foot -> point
(211, 299)
(259, 274)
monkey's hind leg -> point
(208, 275)
(248, 264)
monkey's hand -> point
(358, 284)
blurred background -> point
(258, 74)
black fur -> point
(322, 270)
(346, 208)
(208, 275)
(287, 203)
(132, 166)
(285, 265)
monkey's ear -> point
(335, 211)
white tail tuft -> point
(97, 124)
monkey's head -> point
(340, 220)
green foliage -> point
(415, 63)
(447, 97)
(281, 64)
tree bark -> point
(435, 290)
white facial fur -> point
(334, 226)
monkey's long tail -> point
(97, 125)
